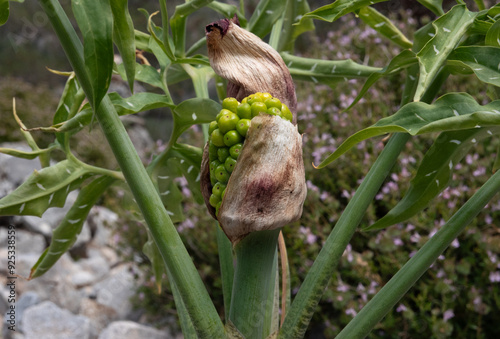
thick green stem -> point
(396, 288)
(183, 272)
(254, 277)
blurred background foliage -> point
(458, 297)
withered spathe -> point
(266, 189)
(248, 63)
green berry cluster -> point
(228, 132)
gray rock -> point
(34, 224)
(132, 330)
(26, 300)
(101, 221)
(25, 242)
(99, 315)
(116, 290)
(47, 321)
(15, 170)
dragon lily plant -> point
(262, 189)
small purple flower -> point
(351, 311)
(495, 277)
(401, 308)
(448, 314)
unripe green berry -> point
(244, 111)
(229, 164)
(223, 194)
(242, 126)
(221, 113)
(232, 137)
(221, 174)
(212, 127)
(228, 122)
(274, 111)
(214, 200)
(273, 102)
(217, 208)
(230, 104)
(218, 188)
(217, 138)
(222, 154)
(286, 113)
(258, 107)
(234, 151)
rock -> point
(131, 330)
(47, 321)
(91, 270)
(26, 300)
(34, 224)
(99, 315)
(116, 290)
(25, 242)
(101, 221)
(15, 170)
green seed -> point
(221, 174)
(213, 165)
(285, 113)
(274, 111)
(242, 127)
(222, 154)
(229, 164)
(223, 194)
(232, 137)
(230, 104)
(258, 107)
(214, 200)
(235, 151)
(228, 122)
(212, 127)
(217, 208)
(273, 102)
(244, 111)
(218, 188)
(217, 138)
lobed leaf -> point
(436, 6)
(144, 73)
(191, 112)
(401, 61)
(449, 30)
(65, 105)
(66, 233)
(136, 103)
(454, 111)
(293, 26)
(264, 16)
(434, 173)
(124, 37)
(484, 61)
(96, 24)
(384, 26)
(27, 155)
(493, 35)
(327, 72)
(338, 8)
(46, 188)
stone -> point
(99, 315)
(26, 242)
(117, 288)
(132, 330)
(101, 221)
(47, 321)
(15, 170)
(26, 300)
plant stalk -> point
(254, 278)
(183, 272)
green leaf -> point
(124, 37)
(265, 15)
(96, 24)
(293, 26)
(157, 34)
(142, 41)
(229, 11)
(493, 35)
(436, 6)
(449, 30)
(327, 72)
(136, 103)
(384, 26)
(484, 61)
(401, 61)
(434, 172)
(27, 155)
(65, 105)
(339, 8)
(64, 236)
(453, 111)
(4, 11)
(170, 194)
(46, 188)
(144, 73)
(191, 112)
